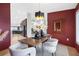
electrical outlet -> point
(67, 39)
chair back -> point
(20, 49)
(53, 41)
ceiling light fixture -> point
(39, 14)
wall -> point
(17, 14)
(5, 23)
(77, 16)
(21, 11)
(77, 7)
(77, 27)
(29, 23)
(68, 26)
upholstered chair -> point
(51, 45)
(20, 49)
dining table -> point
(32, 42)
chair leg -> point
(54, 54)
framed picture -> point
(57, 25)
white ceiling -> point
(45, 7)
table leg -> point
(42, 50)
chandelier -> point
(39, 15)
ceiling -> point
(45, 7)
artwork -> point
(4, 35)
(57, 25)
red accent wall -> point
(5, 24)
(67, 26)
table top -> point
(33, 42)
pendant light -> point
(39, 15)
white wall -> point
(17, 14)
(29, 25)
(21, 11)
(46, 23)
(77, 27)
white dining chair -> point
(50, 46)
(20, 49)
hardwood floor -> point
(72, 51)
(5, 52)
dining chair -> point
(50, 46)
(20, 49)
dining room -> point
(39, 29)
(33, 27)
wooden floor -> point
(72, 51)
